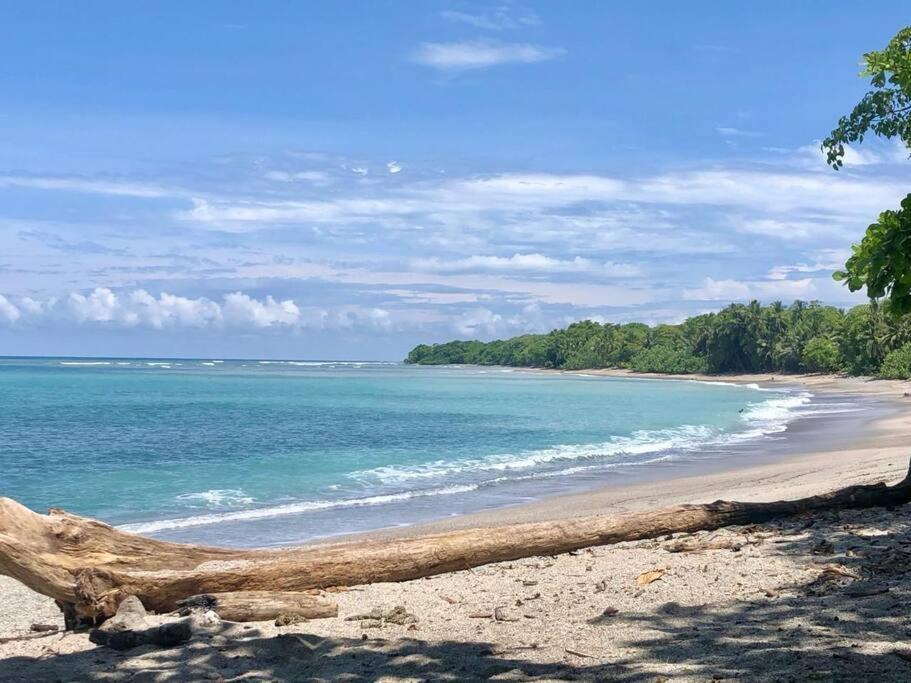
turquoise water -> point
(255, 453)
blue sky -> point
(345, 180)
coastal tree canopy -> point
(804, 336)
(882, 261)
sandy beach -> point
(801, 599)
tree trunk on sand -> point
(90, 567)
(263, 605)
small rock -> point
(289, 619)
(131, 616)
(43, 628)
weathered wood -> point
(264, 605)
(89, 567)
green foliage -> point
(668, 360)
(882, 261)
(897, 364)
(885, 109)
(739, 338)
(821, 354)
(863, 340)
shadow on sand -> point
(851, 623)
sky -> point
(345, 180)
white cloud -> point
(497, 19)
(171, 310)
(393, 167)
(782, 272)
(728, 132)
(792, 229)
(138, 308)
(135, 308)
(87, 185)
(874, 153)
(480, 322)
(481, 54)
(100, 305)
(767, 290)
(8, 310)
(319, 178)
(241, 309)
(483, 323)
(525, 263)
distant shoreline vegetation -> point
(742, 338)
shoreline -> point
(880, 453)
(736, 470)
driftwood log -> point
(89, 567)
(263, 605)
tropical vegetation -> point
(742, 338)
(882, 260)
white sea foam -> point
(329, 363)
(288, 509)
(639, 443)
(84, 362)
(211, 364)
(760, 418)
(218, 497)
(770, 416)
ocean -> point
(264, 453)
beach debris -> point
(377, 617)
(451, 601)
(501, 614)
(834, 571)
(161, 573)
(717, 543)
(289, 619)
(258, 605)
(43, 628)
(646, 578)
(480, 615)
(196, 602)
(601, 586)
(30, 636)
(514, 648)
(577, 653)
(528, 583)
(829, 576)
(131, 627)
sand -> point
(820, 598)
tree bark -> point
(90, 567)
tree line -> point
(742, 338)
